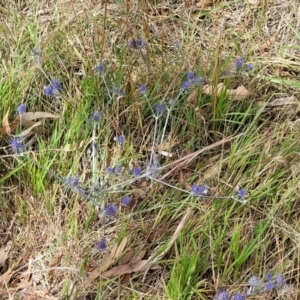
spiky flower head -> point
(239, 63)
(110, 210)
(72, 182)
(222, 295)
(137, 171)
(101, 245)
(200, 190)
(16, 145)
(142, 88)
(21, 108)
(126, 200)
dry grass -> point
(55, 231)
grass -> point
(196, 246)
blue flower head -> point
(121, 139)
(160, 108)
(126, 200)
(111, 210)
(279, 280)
(254, 281)
(16, 145)
(191, 76)
(200, 190)
(101, 245)
(137, 43)
(250, 67)
(48, 90)
(241, 193)
(177, 45)
(56, 86)
(269, 285)
(117, 92)
(222, 295)
(186, 85)
(142, 88)
(137, 171)
(97, 116)
(72, 182)
(239, 63)
(21, 108)
(239, 296)
(100, 68)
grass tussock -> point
(164, 162)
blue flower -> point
(117, 92)
(48, 90)
(160, 108)
(113, 170)
(186, 85)
(126, 200)
(200, 190)
(254, 281)
(111, 210)
(279, 280)
(136, 171)
(121, 139)
(16, 145)
(269, 285)
(56, 86)
(177, 45)
(191, 76)
(241, 193)
(239, 63)
(142, 88)
(100, 68)
(21, 109)
(222, 295)
(137, 43)
(101, 245)
(250, 67)
(72, 182)
(97, 116)
(239, 296)
(268, 276)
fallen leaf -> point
(26, 275)
(5, 123)
(53, 264)
(28, 132)
(45, 295)
(132, 257)
(267, 44)
(157, 232)
(283, 101)
(5, 278)
(239, 93)
(26, 119)
(4, 251)
(208, 89)
(114, 254)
